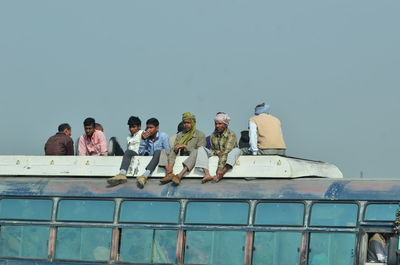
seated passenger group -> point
(265, 138)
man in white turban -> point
(223, 145)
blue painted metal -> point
(237, 189)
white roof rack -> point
(271, 166)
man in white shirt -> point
(132, 150)
(265, 133)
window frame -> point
(304, 219)
(357, 222)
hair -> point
(98, 126)
(180, 127)
(63, 126)
(133, 120)
(89, 121)
(153, 121)
(260, 105)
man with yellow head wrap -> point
(185, 143)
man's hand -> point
(218, 153)
(145, 134)
(179, 146)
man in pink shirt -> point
(93, 142)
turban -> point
(188, 116)
(188, 135)
(263, 108)
(222, 117)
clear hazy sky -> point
(329, 69)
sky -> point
(329, 70)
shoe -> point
(141, 181)
(176, 180)
(167, 178)
(116, 180)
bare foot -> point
(206, 178)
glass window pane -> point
(84, 243)
(149, 212)
(280, 214)
(277, 248)
(148, 246)
(28, 241)
(25, 209)
(217, 212)
(85, 210)
(334, 214)
(381, 212)
(331, 249)
(215, 247)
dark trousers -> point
(126, 160)
(154, 161)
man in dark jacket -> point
(61, 143)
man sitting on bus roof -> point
(185, 143)
(61, 143)
(93, 142)
(223, 145)
(134, 139)
(265, 133)
(153, 142)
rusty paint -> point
(248, 248)
(114, 244)
(180, 246)
(52, 243)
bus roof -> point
(227, 189)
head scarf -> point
(188, 135)
(222, 117)
(262, 109)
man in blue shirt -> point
(153, 142)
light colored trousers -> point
(199, 158)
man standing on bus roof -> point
(134, 139)
(61, 143)
(223, 145)
(93, 142)
(153, 142)
(265, 133)
(186, 141)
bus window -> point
(334, 214)
(24, 209)
(331, 249)
(24, 241)
(149, 212)
(273, 213)
(215, 247)
(148, 246)
(83, 243)
(217, 213)
(381, 212)
(277, 248)
(85, 210)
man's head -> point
(221, 122)
(134, 124)
(98, 127)
(261, 108)
(152, 126)
(89, 125)
(65, 128)
(188, 121)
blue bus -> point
(304, 221)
